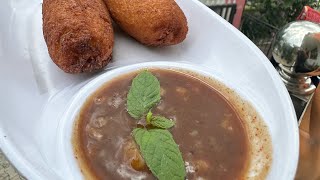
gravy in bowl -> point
(211, 133)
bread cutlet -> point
(78, 34)
(151, 22)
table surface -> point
(7, 171)
(310, 141)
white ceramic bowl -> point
(274, 111)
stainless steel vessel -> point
(297, 50)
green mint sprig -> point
(157, 146)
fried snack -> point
(78, 33)
(151, 22)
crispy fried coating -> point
(151, 22)
(78, 33)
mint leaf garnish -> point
(161, 153)
(157, 146)
(143, 94)
(161, 122)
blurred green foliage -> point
(262, 17)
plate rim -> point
(27, 170)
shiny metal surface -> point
(297, 50)
(298, 85)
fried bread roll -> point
(151, 22)
(78, 34)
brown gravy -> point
(211, 136)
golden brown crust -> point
(78, 34)
(151, 22)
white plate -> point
(34, 93)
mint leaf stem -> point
(149, 117)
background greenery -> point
(271, 14)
